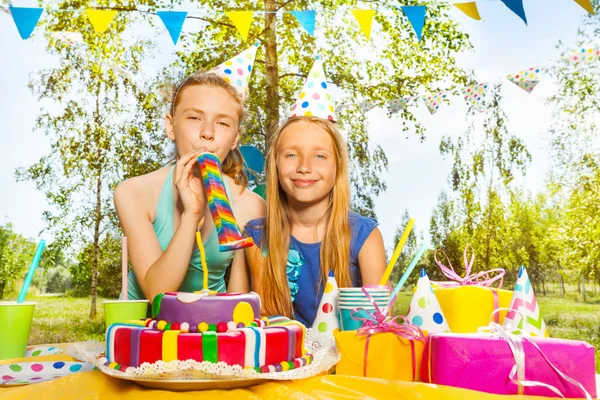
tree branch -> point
(285, 3)
(291, 74)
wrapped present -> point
(382, 347)
(467, 302)
(503, 363)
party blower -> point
(230, 235)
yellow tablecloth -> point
(96, 385)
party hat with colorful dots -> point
(326, 321)
(314, 99)
(237, 70)
(526, 79)
(425, 310)
(524, 305)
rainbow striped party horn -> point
(230, 235)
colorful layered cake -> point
(224, 327)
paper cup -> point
(347, 323)
(124, 310)
(15, 324)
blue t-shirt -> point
(308, 293)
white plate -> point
(37, 351)
(182, 385)
(24, 373)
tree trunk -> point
(271, 70)
(2, 286)
(583, 287)
(98, 215)
(96, 247)
(561, 285)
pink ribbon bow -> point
(479, 279)
(381, 322)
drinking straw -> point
(202, 259)
(409, 269)
(396, 255)
(32, 267)
(124, 268)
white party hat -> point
(237, 70)
(314, 99)
(425, 310)
(525, 303)
(326, 321)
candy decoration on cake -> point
(237, 70)
(527, 79)
(474, 95)
(326, 322)
(433, 101)
(525, 303)
(425, 311)
(228, 230)
(314, 99)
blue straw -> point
(409, 269)
(32, 267)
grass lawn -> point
(60, 319)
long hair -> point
(335, 247)
(233, 165)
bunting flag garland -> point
(586, 5)
(526, 80)
(365, 20)
(26, 18)
(398, 104)
(470, 9)
(173, 21)
(242, 20)
(368, 105)
(433, 101)
(516, 6)
(4, 6)
(587, 53)
(474, 94)
(416, 17)
(306, 18)
(73, 39)
(100, 19)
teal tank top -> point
(163, 227)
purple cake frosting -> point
(196, 308)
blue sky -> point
(417, 173)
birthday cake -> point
(218, 328)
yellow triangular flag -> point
(586, 5)
(470, 9)
(242, 21)
(365, 19)
(100, 19)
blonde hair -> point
(233, 165)
(335, 247)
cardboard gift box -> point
(388, 356)
(483, 362)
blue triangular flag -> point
(516, 6)
(26, 18)
(173, 21)
(416, 17)
(306, 18)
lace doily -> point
(324, 351)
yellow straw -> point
(202, 258)
(396, 255)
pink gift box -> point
(482, 362)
